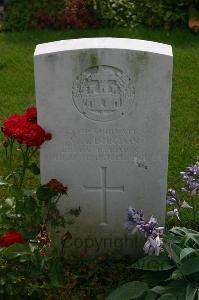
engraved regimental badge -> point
(103, 93)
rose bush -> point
(31, 261)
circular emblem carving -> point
(103, 93)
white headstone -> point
(106, 102)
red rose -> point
(33, 135)
(26, 132)
(31, 114)
(11, 237)
(13, 126)
(57, 186)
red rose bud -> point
(57, 186)
(10, 238)
(42, 252)
(48, 136)
(31, 114)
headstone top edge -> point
(103, 43)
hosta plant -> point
(173, 275)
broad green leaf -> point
(186, 252)
(191, 292)
(190, 266)
(16, 250)
(154, 263)
(189, 237)
(167, 296)
(178, 231)
(151, 296)
(130, 290)
(154, 278)
(159, 290)
(174, 287)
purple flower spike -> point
(134, 217)
(193, 170)
(171, 197)
(148, 228)
(191, 179)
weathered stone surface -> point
(107, 103)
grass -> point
(17, 81)
(17, 92)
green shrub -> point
(20, 14)
(128, 13)
(23, 14)
(53, 14)
(161, 13)
(115, 12)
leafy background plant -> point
(171, 276)
(59, 14)
(128, 13)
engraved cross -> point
(103, 189)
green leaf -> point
(2, 281)
(174, 287)
(45, 194)
(151, 296)
(15, 251)
(191, 292)
(3, 182)
(190, 266)
(130, 290)
(154, 278)
(34, 168)
(167, 296)
(186, 252)
(154, 263)
(189, 237)
(159, 290)
(176, 275)
(173, 250)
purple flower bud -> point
(186, 205)
(170, 200)
(153, 246)
(172, 193)
(174, 212)
(182, 173)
